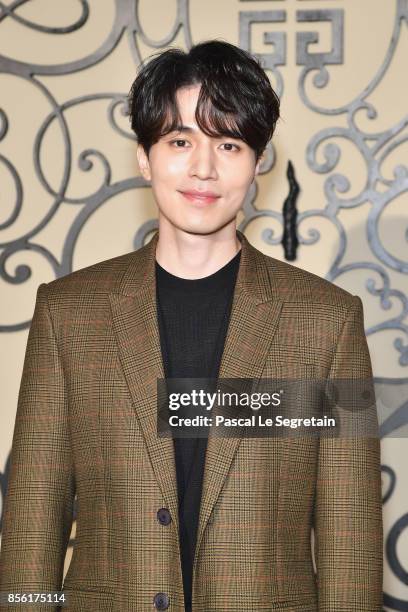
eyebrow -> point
(184, 128)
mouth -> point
(200, 198)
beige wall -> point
(368, 28)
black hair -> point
(236, 98)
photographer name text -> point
(255, 420)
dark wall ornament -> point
(289, 238)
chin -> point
(199, 224)
(199, 227)
(201, 230)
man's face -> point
(187, 160)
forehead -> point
(187, 98)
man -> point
(208, 525)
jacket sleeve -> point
(38, 507)
(348, 507)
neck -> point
(195, 255)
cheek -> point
(175, 167)
(239, 178)
(169, 172)
(240, 171)
(165, 183)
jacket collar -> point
(253, 276)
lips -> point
(194, 192)
(200, 197)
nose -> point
(203, 162)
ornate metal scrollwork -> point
(374, 148)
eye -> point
(231, 144)
(178, 141)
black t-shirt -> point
(193, 317)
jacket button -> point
(164, 516)
(161, 601)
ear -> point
(143, 162)
(259, 162)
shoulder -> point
(99, 278)
(300, 286)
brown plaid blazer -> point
(87, 424)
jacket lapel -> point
(253, 322)
(135, 323)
